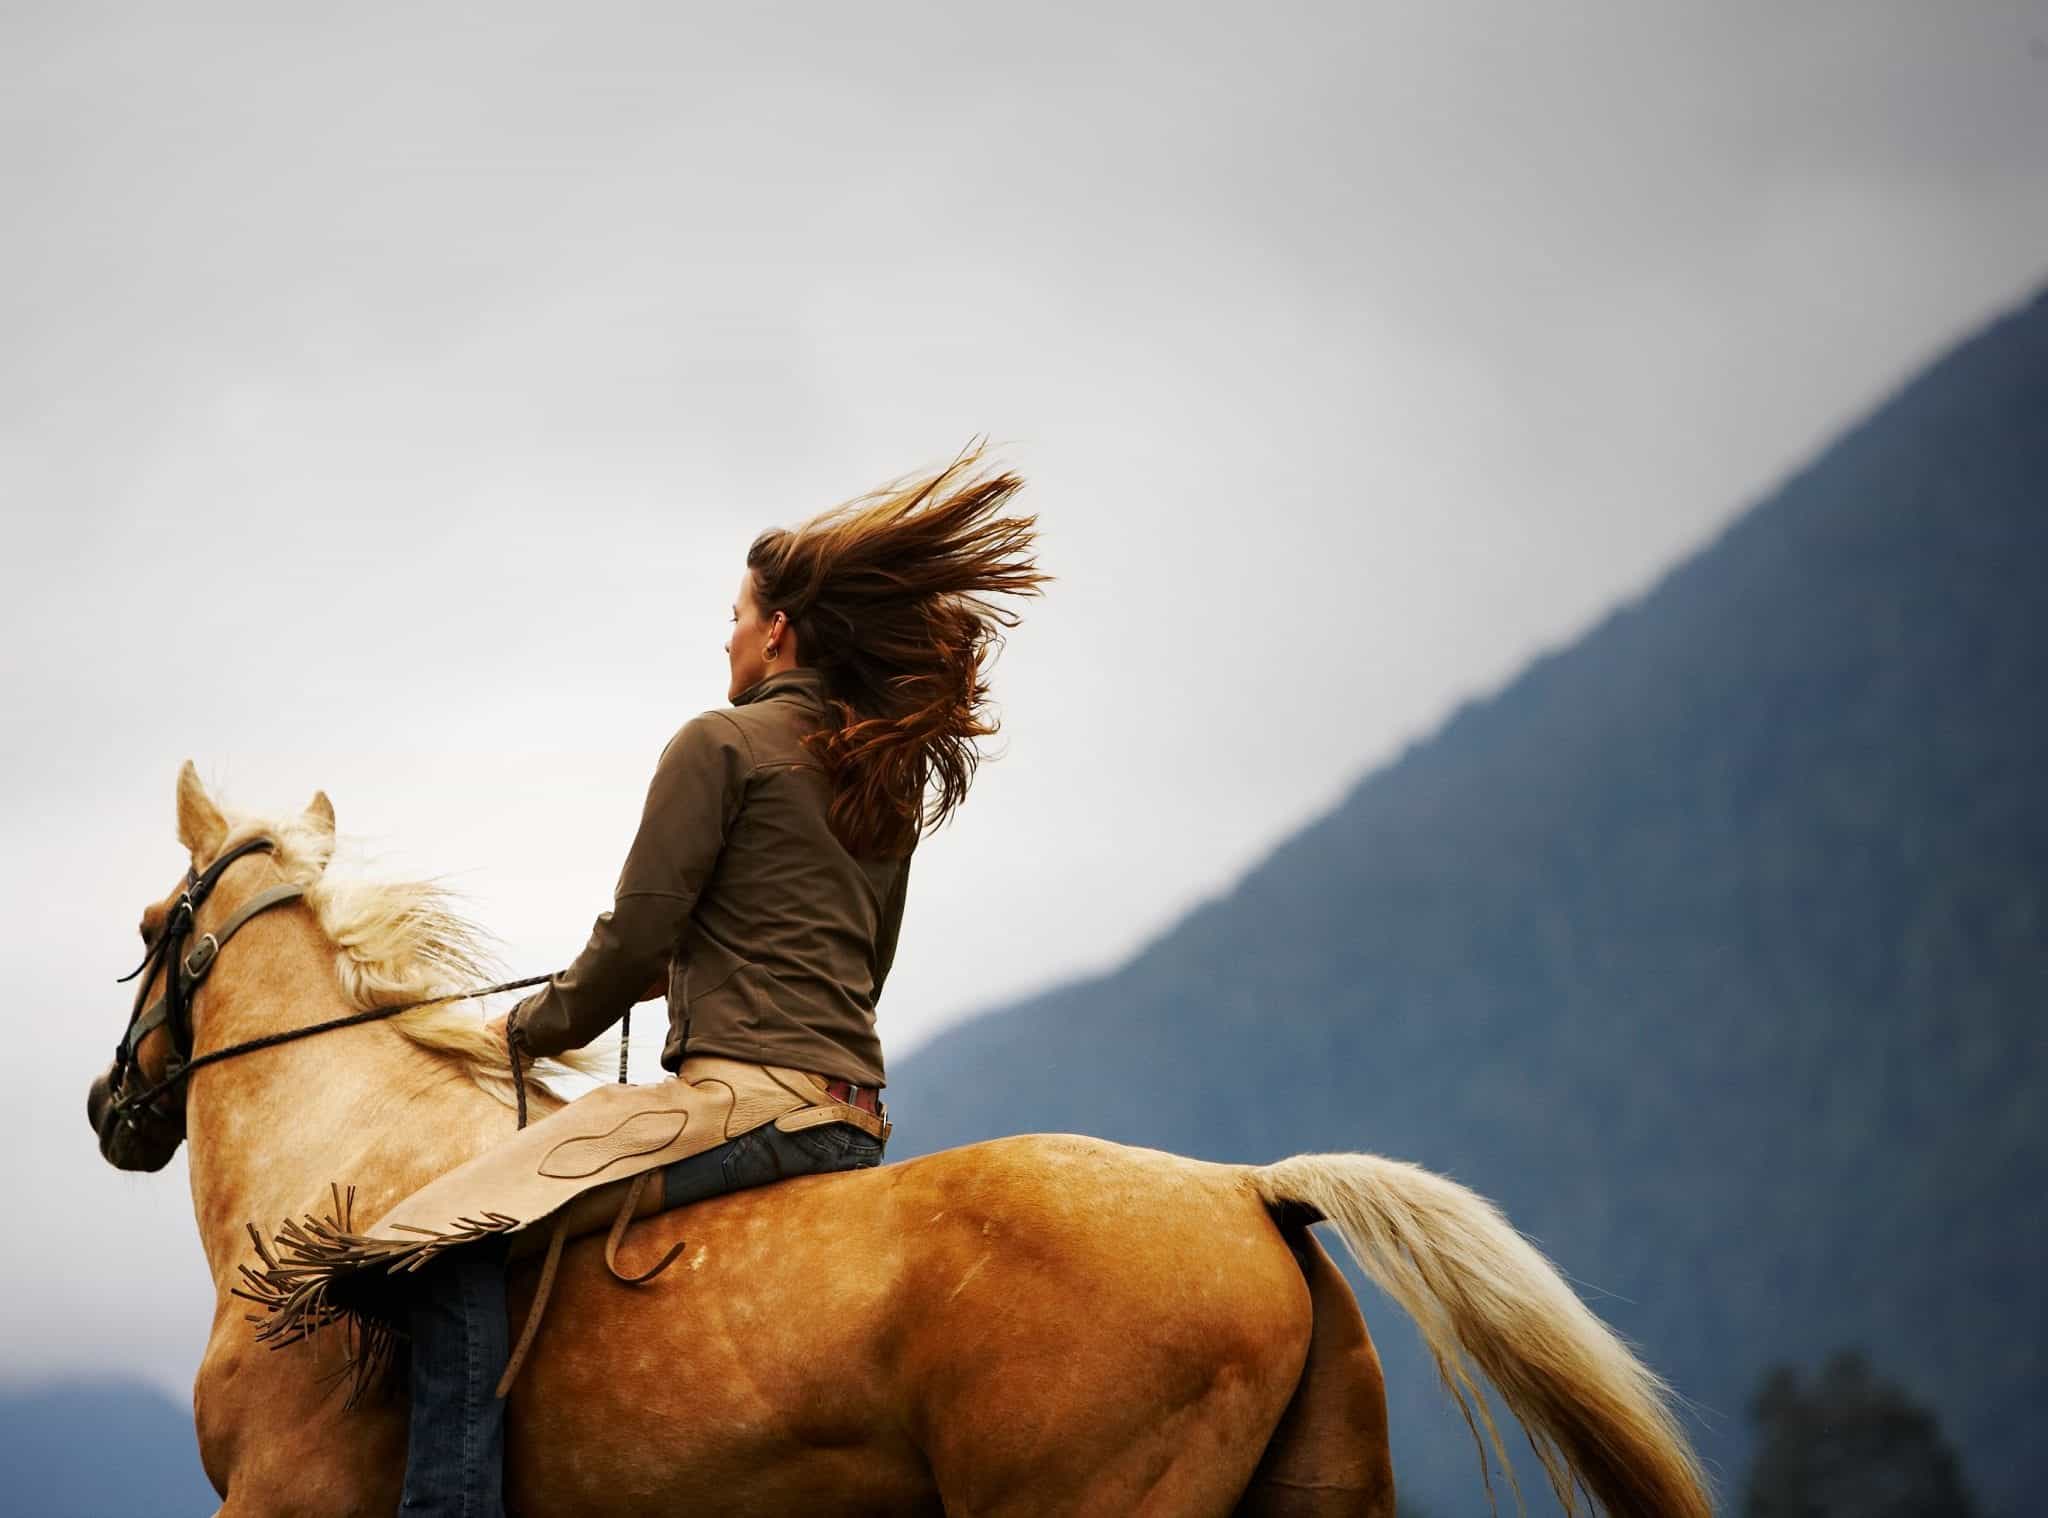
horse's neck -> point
(268, 1132)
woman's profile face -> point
(751, 634)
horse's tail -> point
(1482, 1295)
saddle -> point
(582, 1167)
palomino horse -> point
(1037, 1325)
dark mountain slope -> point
(96, 1449)
(1715, 948)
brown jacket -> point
(776, 940)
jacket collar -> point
(805, 683)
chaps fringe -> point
(317, 1272)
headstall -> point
(161, 1104)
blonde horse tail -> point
(1484, 1297)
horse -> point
(1042, 1324)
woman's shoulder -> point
(756, 735)
(710, 736)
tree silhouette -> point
(1851, 1442)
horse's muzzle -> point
(124, 1144)
(98, 1100)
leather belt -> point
(867, 1098)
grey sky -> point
(377, 385)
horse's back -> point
(964, 1321)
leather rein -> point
(184, 972)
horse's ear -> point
(200, 824)
(320, 812)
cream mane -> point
(398, 941)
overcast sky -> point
(388, 395)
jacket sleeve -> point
(691, 803)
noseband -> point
(161, 1105)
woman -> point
(766, 883)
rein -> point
(353, 1019)
(183, 974)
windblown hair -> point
(888, 596)
(398, 941)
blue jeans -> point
(455, 1463)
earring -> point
(768, 652)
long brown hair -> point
(888, 596)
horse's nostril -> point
(96, 1100)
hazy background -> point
(386, 401)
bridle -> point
(161, 1105)
(183, 973)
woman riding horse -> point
(765, 886)
(916, 1348)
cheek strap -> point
(193, 969)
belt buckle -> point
(852, 1096)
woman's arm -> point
(696, 792)
(891, 924)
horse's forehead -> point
(237, 833)
(156, 911)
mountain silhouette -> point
(1714, 948)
